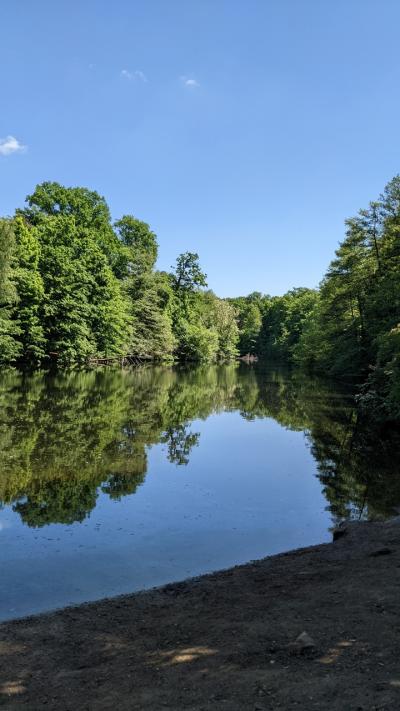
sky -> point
(243, 130)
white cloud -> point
(10, 145)
(126, 74)
(140, 75)
(191, 83)
(137, 74)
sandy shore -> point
(226, 641)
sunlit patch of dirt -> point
(181, 656)
(334, 653)
(111, 643)
(9, 648)
(12, 688)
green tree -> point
(140, 244)
(9, 330)
(90, 210)
(283, 323)
(354, 329)
(72, 305)
(31, 293)
(250, 322)
(249, 315)
(187, 276)
(149, 292)
(150, 296)
(195, 340)
(225, 325)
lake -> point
(113, 481)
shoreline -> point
(226, 640)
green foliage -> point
(150, 296)
(29, 283)
(283, 323)
(196, 343)
(250, 326)
(223, 319)
(75, 287)
(354, 330)
(9, 348)
(83, 311)
(249, 313)
(89, 209)
(187, 275)
(349, 328)
(141, 249)
(204, 326)
(70, 302)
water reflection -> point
(65, 438)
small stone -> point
(302, 644)
(305, 640)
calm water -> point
(114, 481)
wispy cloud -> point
(140, 75)
(190, 82)
(137, 74)
(9, 145)
(125, 74)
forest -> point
(75, 286)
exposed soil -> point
(226, 641)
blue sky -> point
(246, 131)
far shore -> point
(315, 628)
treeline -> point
(350, 327)
(75, 286)
(271, 326)
(354, 329)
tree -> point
(31, 293)
(224, 321)
(72, 303)
(152, 325)
(75, 287)
(187, 275)
(9, 347)
(87, 207)
(283, 323)
(52, 199)
(140, 243)
(195, 341)
(250, 325)
(354, 331)
(149, 292)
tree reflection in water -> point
(64, 438)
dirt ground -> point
(226, 641)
